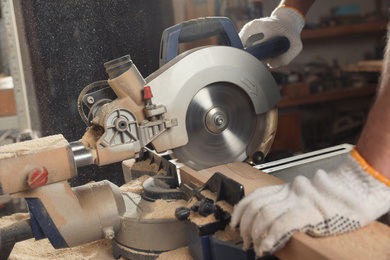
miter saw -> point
(210, 105)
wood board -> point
(370, 242)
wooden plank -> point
(301, 247)
(188, 175)
(245, 174)
(371, 242)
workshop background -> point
(327, 90)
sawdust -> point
(8, 220)
(199, 220)
(225, 206)
(146, 165)
(191, 202)
(228, 234)
(209, 194)
(32, 146)
(162, 172)
(42, 250)
(128, 163)
(135, 186)
(141, 254)
(195, 217)
(182, 253)
(161, 209)
(91, 136)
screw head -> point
(121, 124)
(90, 100)
(219, 120)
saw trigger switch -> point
(147, 93)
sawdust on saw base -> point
(198, 219)
(146, 165)
(191, 202)
(42, 249)
(182, 253)
(225, 206)
(161, 209)
(135, 186)
(209, 194)
(228, 234)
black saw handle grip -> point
(202, 28)
(270, 48)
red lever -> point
(147, 93)
(37, 177)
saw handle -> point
(202, 28)
(194, 30)
(270, 48)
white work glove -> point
(328, 204)
(284, 21)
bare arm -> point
(301, 5)
(374, 143)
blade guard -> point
(181, 77)
(177, 82)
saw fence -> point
(370, 242)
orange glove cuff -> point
(285, 6)
(368, 168)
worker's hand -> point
(283, 21)
(328, 204)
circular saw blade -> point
(220, 122)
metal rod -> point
(82, 155)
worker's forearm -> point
(302, 5)
(374, 143)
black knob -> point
(258, 157)
(206, 207)
(182, 213)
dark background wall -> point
(70, 40)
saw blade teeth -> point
(220, 122)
